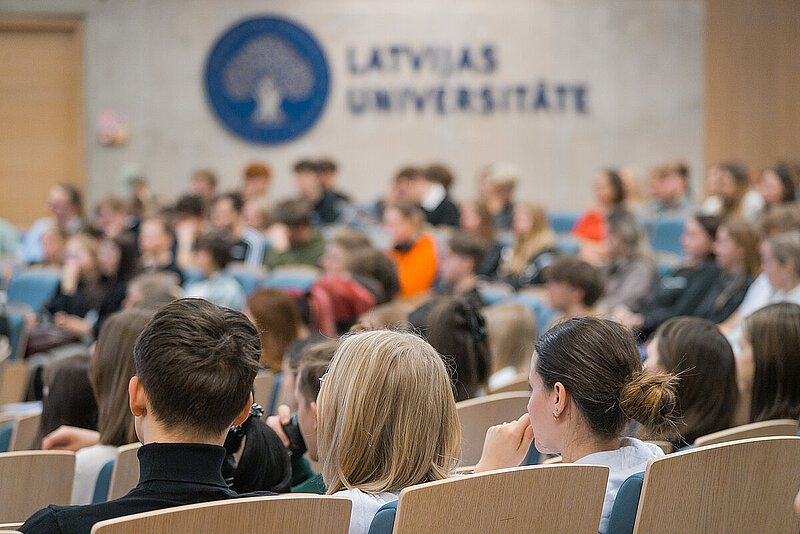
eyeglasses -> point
(323, 377)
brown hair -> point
(208, 175)
(774, 334)
(113, 203)
(741, 177)
(782, 218)
(599, 365)
(351, 240)
(277, 320)
(486, 230)
(294, 212)
(539, 237)
(256, 169)
(699, 354)
(468, 246)
(440, 174)
(311, 370)
(512, 335)
(69, 399)
(745, 236)
(577, 273)
(406, 173)
(409, 210)
(197, 362)
(379, 267)
(110, 369)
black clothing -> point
(327, 208)
(170, 474)
(87, 296)
(171, 268)
(724, 297)
(491, 261)
(446, 213)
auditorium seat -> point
(666, 235)
(296, 514)
(477, 415)
(623, 513)
(33, 288)
(501, 501)
(773, 427)
(117, 477)
(250, 279)
(562, 222)
(23, 437)
(33, 480)
(297, 277)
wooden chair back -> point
(125, 474)
(478, 414)
(762, 429)
(738, 487)
(281, 514)
(32, 480)
(569, 498)
(23, 437)
(13, 381)
(263, 389)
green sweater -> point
(304, 480)
(306, 254)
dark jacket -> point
(724, 297)
(446, 213)
(170, 474)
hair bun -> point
(651, 399)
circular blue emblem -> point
(267, 80)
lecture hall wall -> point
(576, 85)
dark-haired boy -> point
(573, 287)
(195, 365)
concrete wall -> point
(640, 60)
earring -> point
(555, 415)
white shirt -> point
(760, 294)
(630, 458)
(433, 197)
(221, 289)
(365, 506)
(88, 463)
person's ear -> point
(560, 399)
(245, 413)
(137, 396)
(313, 411)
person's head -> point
(780, 258)
(404, 222)
(83, 250)
(195, 366)
(295, 214)
(698, 237)
(461, 259)
(695, 351)
(670, 183)
(770, 338)
(306, 391)
(204, 184)
(512, 334)
(310, 348)
(112, 216)
(155, 237)
(736, 248)
(734, 182)
(439, 174)
(609, 191)
(54, 240)
(779, 219)
(529, 219)
(226, 212)
(152, 290)
(339, 250)
(327, 169)
(377, 266)
(308, 182)
(277, 320)
(499, 181)
(212, 253)
(118, 257)
(256, 213)
(64, 202)
(386, 415)
(778, 185)
(476, 219)
(572, 283)
(111, 369)
(587, 383)
(190, 207)
(625, 236)
(256, 180)
(68, 397)
(402, 184)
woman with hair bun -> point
(587, 384)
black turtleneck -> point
(170, 474)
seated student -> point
(777, 186)
(256, 180)
(65, 206)
(155, 247)
(587, 384)
(303, 244)
(204, 185)
(534, 246)
(54, 240)
(669, 187)
(377, 272)
(369, 444)
(684, 289)
(511, 329)
(112, 217)
(189, 223)
(496, 184)
(460, 261)
(735, 199)
(151, 291)
(68, 397)
(339, 249)
(477, 221)
(631, 273)
(324, 205)
(247, 244)
(328, 173)
(195, 366)
(413, 251)
(573, 287)
(768, 365)
(212, 255)
(277, 319)
(431, 191)
(609, 196)
(696, 351)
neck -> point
(790, 285)
(577, 449)
(155, 432)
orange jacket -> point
(416, 268)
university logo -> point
(267, 80)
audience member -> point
(534, 246)
(338, 251)
(413, 251)
(54, 240)
(429, 190)
(325, 206)
(155, 245)
(496, 188)
(386, 421)
(477, 221)
(669, 187)
(190, 222)
(587, 383)
(512, 332)
(609, 196)
(204, 185)
(152, 291)
(697, 353)
(257, 215)
(195, 365)
(305, 245)
(277, 320)
(212, 255)
(736, 200)
(328, 173)
(66, 211)
(373, 268)
(68, 398)
(247, 244)
(257, 177)
(631, 273)
(112, 216)
(460, 262)
(82, 288)
(573, 287)
(777, 186)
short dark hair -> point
(440, 174)
(206, 174)
(305, 165)
(75, 198)
(615, 180)
(236, 200)
(577, 273)
(295, 212)
(308, 375)
(378, 266)
(217, 246)
(468, 246)
(407, 173)
(326, 166)
(197, 362)
(191, 205)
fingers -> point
(284, 414)
(273, 421)
(57, 439)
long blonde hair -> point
(387, 416)
(536, 239)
